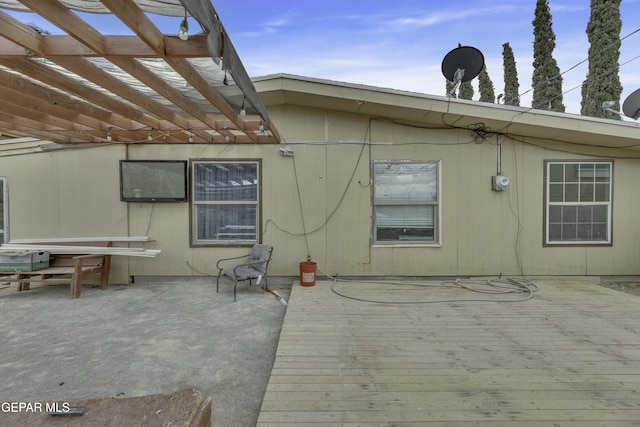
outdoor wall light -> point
(183, 32)
(286, 151)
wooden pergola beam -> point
(29, 102)
(72, 118)
(130, 14)
(20, 34)
(18, 122)
(136, 117)
(45, 74)
(203, 120)
(84, 68)
(40, 120)
(85, 34)
(59, 15)
(134, 18)
(22, 87)
(140, 72)
(127, 46)
(60, 120)
(24, 127)
(190, 74)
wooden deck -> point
(569, 357)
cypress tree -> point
(449, 88)
(603, 82)
(511, 85)
(547, 81)
(466, 90)
(485, 86)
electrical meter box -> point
(24, 260)
(499, 183)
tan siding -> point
(281, 211)
(626, 205)
(76, 192)
(34, 204)
(70, 193)
(351, 220)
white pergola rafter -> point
(69, 96)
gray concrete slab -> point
(156, 336)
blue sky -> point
(400, 44)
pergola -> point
(88, 87)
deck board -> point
(569, 356)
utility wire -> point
(304, 227)
(580, 63)
(566, 71)
(493, 286)
(306, 233)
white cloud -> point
(391, 47)
(271, 26)
(451, 15)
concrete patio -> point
(569, 356)
(156, 336)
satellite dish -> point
(462, 64)
(631, 105)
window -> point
(4, 211)
(406, 202)
(578, 196)
(225, 202)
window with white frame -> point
(578, 202)
(406, 202)
(225, 201)
(4, 211)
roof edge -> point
(527, 124)
(441, 98)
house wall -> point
(67, 193)
(325, 190)
(484, 232)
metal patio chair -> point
(255, 267)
